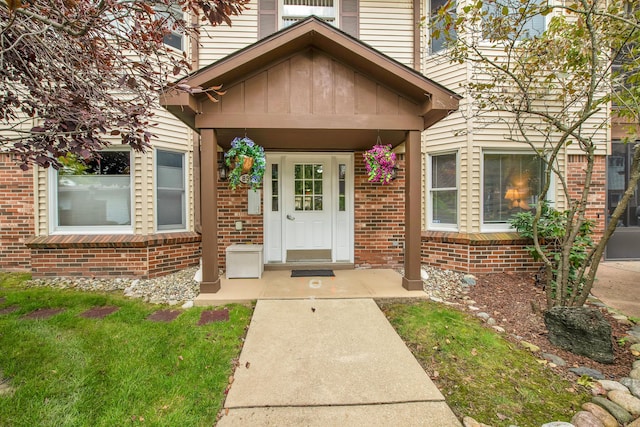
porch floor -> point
(278, 284)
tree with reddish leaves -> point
(75, 74)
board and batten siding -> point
(388, 26)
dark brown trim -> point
(110, 240)
(412, 208)
(209, 209)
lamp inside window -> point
(517, 196)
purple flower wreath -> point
(380, 162)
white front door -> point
(307, 203)
(309, 208)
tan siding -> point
(388, 26)
(218, 42)
(41, 201)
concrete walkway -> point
(329, 362)
(618, 285)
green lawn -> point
(481, 374)
(120, 370)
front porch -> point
(278, 284)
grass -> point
(481, 374)
(120, 370)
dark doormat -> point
(312, 273)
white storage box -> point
(244, 261)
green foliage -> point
(551, 234)
(481, 374)
(120, 370)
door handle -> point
(291, 218)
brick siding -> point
(597, 201)
(17, 223)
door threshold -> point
(310, 266)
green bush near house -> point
(120, 370)
(481, 374)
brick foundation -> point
(597, 201)
(113, 255)
(17, 223)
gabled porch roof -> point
(387, 97)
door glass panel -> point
(342, 175)
(274, 188)
(617, 176)
(308, 195)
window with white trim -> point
(443, 191)
(511, 184)
(93, 196)
(170, 190)
(533, 26)
(438, 41)
(296, 10)
(172, 13)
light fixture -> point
(223, 172)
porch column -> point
(412, 222)
(208, 210)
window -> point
(170, 191)
(296, 10)
(172, 14)
(308, 187)
(94, 194)
(533, 26)
(511, 184)
(443, 191)
(438, 43)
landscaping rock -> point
(483, 315)
(636, 423)
(593, 373)
(632, 385)
(491, 321)
(499, 329)
(557, 424)
(470, 422)
(627, 401)
(613, 385)
(188, 304)
(469, 280)
(599, 412)
(614, 409)
(556, 360)
(586, 419)
(531, 347)
(635, 349)
(636, 364)
(635, 374)
(581, 330)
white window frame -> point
(185, 210)
(173, 11)
(429, 31)
(544, 27)
(312, 11)
(430, 192)
(54, 228)
(504, 226)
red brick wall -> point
(477, 253)
(379, 219)
(17, 222)
(232, 207)
(113, 255)
(596, 207)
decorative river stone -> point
(605, 417)
(627, 401)
(614, 409)
(581, 330)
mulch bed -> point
(43, 313)
(210, 316)
(164, 315)
(99, 312)
(517, 303)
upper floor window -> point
(532, 26)
(92, 195)
(438, 38)
(277, 14)
(296, 10)
(172, 13)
